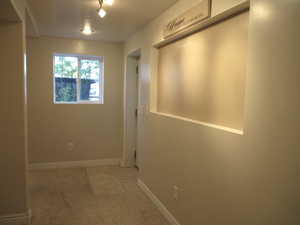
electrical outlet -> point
(70, 146)
(175, 192)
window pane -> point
(66, 70)
(89, 80)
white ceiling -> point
(7, 12)
(65, 18)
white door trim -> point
(125, 162)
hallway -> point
(90, 196)
(200, 95)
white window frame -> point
(101, 78)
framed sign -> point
(191, 17)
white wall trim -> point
(33, 20)
(18, 11)
(161, 207)
(74, 164)
(16, 219)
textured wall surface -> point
(94, 129)
(225, 178)
(13, 161)
(203, 78)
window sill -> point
(78, 103)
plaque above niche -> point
(188, 19)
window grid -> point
(78, 79)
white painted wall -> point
(13, 118)
(95, 130)
(226, 178)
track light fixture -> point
(109, 2)
(87, 30)
(102, 13)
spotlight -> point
(87, 30)
(109, 2)
(102, 12)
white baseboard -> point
(16, 219)
(161, 207)
(74, 164)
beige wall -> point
(13, 190)
(225, 178)
(95, 130)
(202, 77)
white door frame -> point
(127, 160)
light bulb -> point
(87, 30)
(109, 2)
(102, 13)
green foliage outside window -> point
(69, 70)
(89, 69)
(66, 94)
(66, 67)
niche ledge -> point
(210, 125)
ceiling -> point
(8, 12)
(65, 18)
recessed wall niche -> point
(202, 77)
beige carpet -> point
(90, 196)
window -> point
(78, 79)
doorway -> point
(131, 109)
